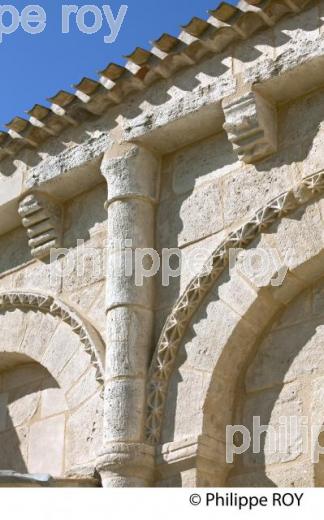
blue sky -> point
(35, 67)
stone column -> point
(132, 177)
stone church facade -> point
(208, 144)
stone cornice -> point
(198, 39)
(173, 332)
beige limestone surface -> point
(210, 143)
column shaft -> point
(132, 178)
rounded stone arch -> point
(280, 377)
(40, 335)
(204, 347)
(21, 303)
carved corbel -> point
(251, 126)
(42, 217)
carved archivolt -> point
(174, 329)
(89, 338)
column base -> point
(127, 465)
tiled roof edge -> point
(168, 54)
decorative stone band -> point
(176, 324)
(227, 24)
(89, 337)
(43, 220)
(251, 125)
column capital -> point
(131, 173)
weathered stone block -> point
(53, 402)
(46, 446)
(287, 354)
(202, 163)
(22, 407)
(83, 389)
(127, 349)
(84, 433)
(3, 411)
(124, 410)
(281, 412)
(61, 349)
(74, 369)
(192, 217)
(14, 449)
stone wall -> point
(206, 192)
(32, 421)
(284, 379)
(78, 275)
(98, 375)
(52, 411)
